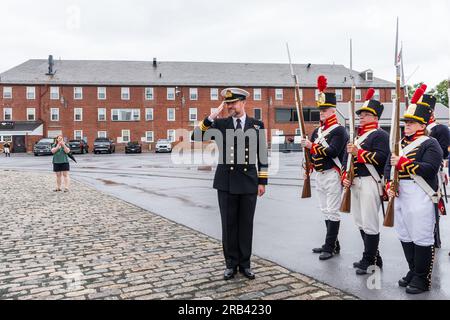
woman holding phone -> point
(61, 163)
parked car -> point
(163, 145)
(133, 147)
(104, 145)
(78, 146)
(43, 147)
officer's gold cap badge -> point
(229, 94)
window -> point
(149, 136)
(171, 114)
(290, 115)
(317, 94)
(192, 114)
(297, 132)
(149, 94)
(358, 96)
(257, 94)
(31, 93)
(369, 75)
(101, 93)
(149, 114)
(125, 136)
(101, 114)
(54, 93)
(171, 135)
(7, 114)
(278, 94)
(339, 95)
(377, 95)
(7, 92)
(78, 114)
(170, 93)
(301, 94)
(125, 94)
(102, 134)
(193, 94)
(126, 115)
(31, 114)
(257, 114)
(54, 114)
(78, 93)
(78, 134)
(6, 139)
(393, 94)
(214, 94)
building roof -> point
(142, 73)
(19, 126)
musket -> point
(404, 84)
(395, 140)
(347, 196)
(306, 193)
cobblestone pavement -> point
(88, 245)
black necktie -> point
(239, 125)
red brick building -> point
(147, 101)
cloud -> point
(232, 31)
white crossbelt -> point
(321, 140)
(421, 182)
(370, 167)
(431, 127)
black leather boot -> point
(423, 268)
(379, 260)
(370, 255)
(320, 250)
(408, 249)
(331, 242)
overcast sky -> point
(232, 31)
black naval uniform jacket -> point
(337, 140)
(423, 161)
(233, 175)
(374, 150)
(442, 134)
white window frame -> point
(316, 94)
(76, 112)
(358, 95)
(393, 94)
(193, 112)
(279, 94)
(101, 91)
(169, 135)
(339, 95)
(101, 111)
(125, 94)
(297, 132)
(52, 114)
(31, 111)
(254, 113)
(214, 94)
(31, 93)
(377, 95)
(193, 94)
(78, 93)
(129, 136)
(100, 134)
(54, 93)
(10, 113)
(149, 114)
(174, 114)
(149, 94)
(6, 139)
(170, 92)
(147, 134)
(75, 134)
(257, 94)
(133, 118)
(7, 92)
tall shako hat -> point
(326, 99)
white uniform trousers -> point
(415, 215)
(366, 205)
(329, 191)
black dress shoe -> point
(248, 273)
(414, 290)
(403, 283)
(326, 256)
(317, 250)
(229, 274)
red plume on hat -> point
(424, 87)
(322, 83)
(370, 94)
(418, 94)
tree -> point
(440, 91)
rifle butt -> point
(389, 219)
(346, 201)
(307, 188)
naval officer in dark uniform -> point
(241, 176)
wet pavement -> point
(286, 227)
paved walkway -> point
(88, 245)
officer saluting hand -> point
(241, 176)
